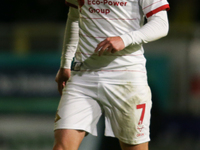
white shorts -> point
(126, 108)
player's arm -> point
(157, 26)
(70, 42)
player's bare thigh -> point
(68, 139)
(143, 146)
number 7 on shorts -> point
(141, 106)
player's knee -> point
(60, 144)
(142, 146)
(58, 147)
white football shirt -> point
(99, 19)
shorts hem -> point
(133, 142)
(77, 128)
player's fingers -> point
(104, 47)
(60, 87)
(99, 46)
(113, 51)
(63, 84)
(109, 49)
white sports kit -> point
(114, 84)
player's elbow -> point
(166, 29)
(162, 19)
(164, 33)
(162, 24)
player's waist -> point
(110, 62)
(111, 76)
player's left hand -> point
(111, 45)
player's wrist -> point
(66, 64)
(126, 39)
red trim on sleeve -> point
(157, 10)
(71, 5)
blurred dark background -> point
(31, 35)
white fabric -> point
(115, 83)
(71, 37)
(101, 19)
(156, 28)
(153, 5)
(82, 104)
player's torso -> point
(100, 19)
(105, 18)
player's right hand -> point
(62, 77)
(111, 45)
